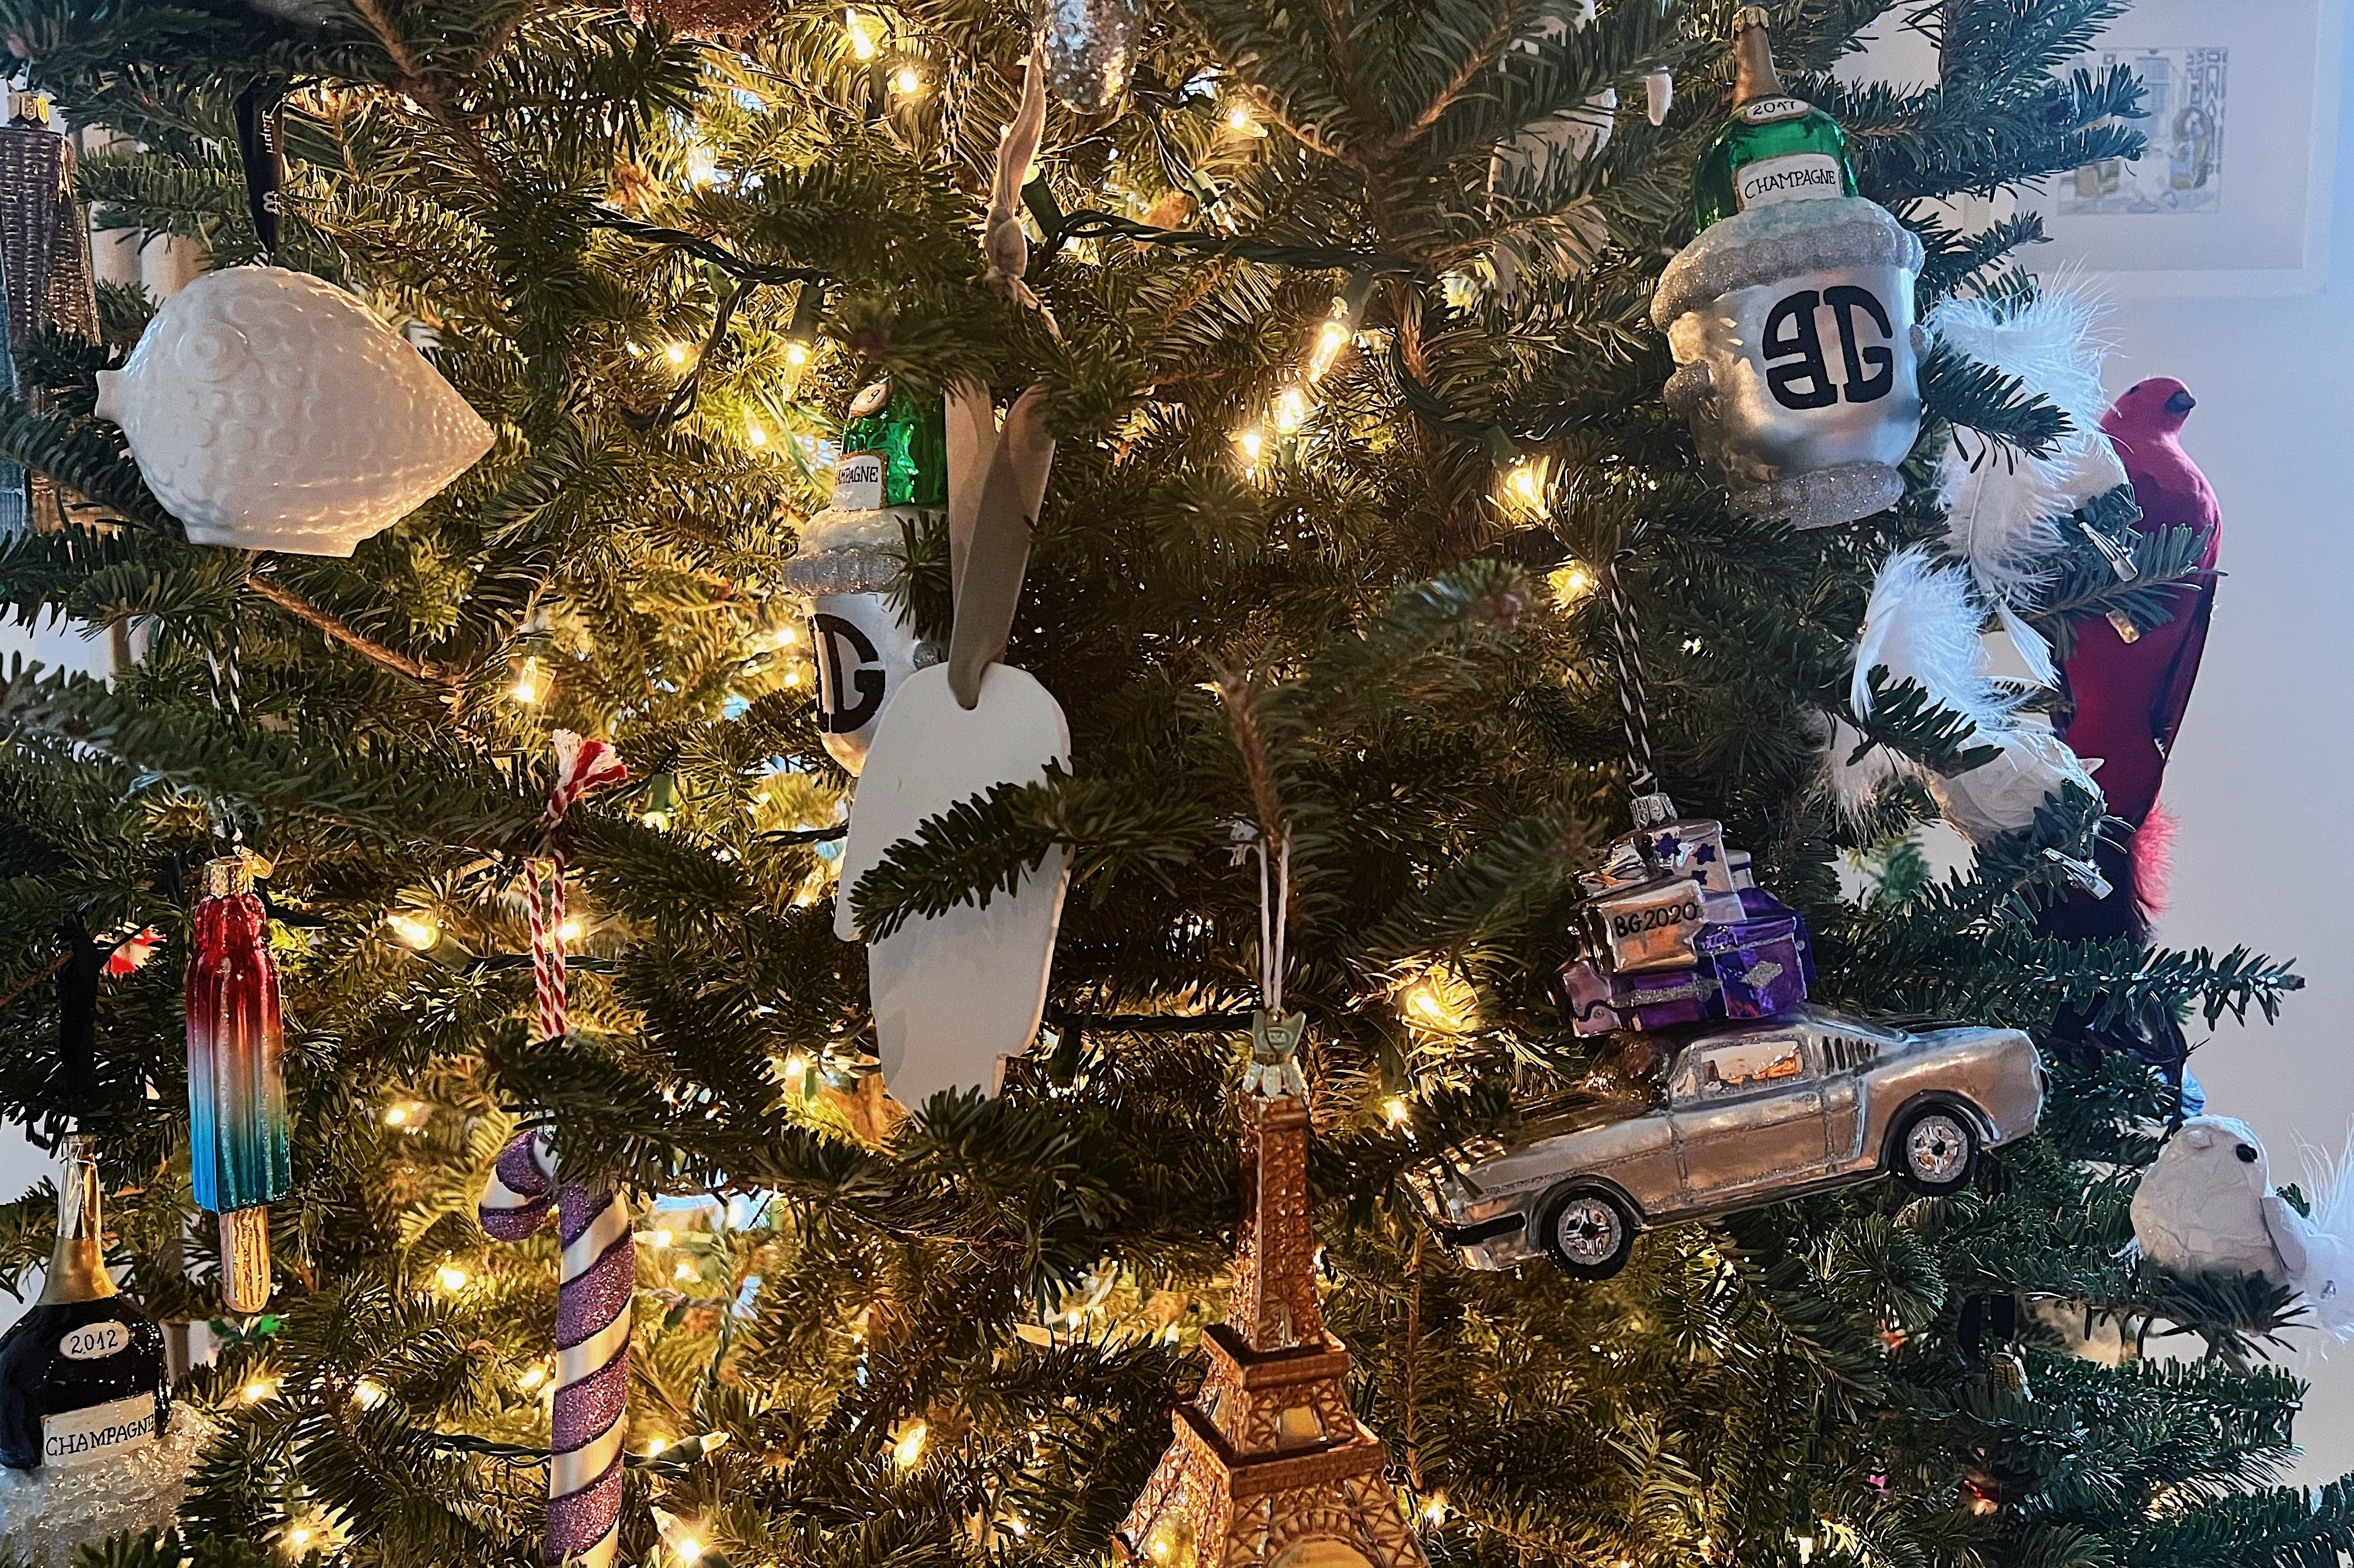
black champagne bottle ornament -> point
(82, 1374)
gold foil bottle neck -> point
(78, 1263)
(230, 876)
(245, 1259)
(1753, 74)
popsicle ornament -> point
(598, 1275)
(238, 1147)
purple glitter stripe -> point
(594, 1299)
(586, 1409)
(518, 1167)
(579, 1520)
(514, 1224)
(579, 1207)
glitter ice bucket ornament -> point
(1797, 357)
(893, 468)
(269, 410)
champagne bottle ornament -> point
(88, 1438)
(892, 470)
(238, 1157)
(1790, 315)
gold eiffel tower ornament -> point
(1270, 1467)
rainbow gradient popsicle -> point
(237, 1078)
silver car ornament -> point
(1752, 1113)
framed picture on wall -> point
(2234, 195)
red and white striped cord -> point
(581, 765)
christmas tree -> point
(1363, 494)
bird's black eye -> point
(2247, 1155)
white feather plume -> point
(1922, 621)
(2004, 507)
(2327, 1276)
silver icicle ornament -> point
(1090, 50)
(1798, 361)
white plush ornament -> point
(269, 410)
(955, 994)
(2208, 1206)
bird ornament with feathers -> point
(2208, 1206)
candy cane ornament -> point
(600, 1268)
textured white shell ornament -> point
(271, 411)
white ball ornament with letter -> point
(269, 410)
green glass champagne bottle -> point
(1775, 147)
(911, 438)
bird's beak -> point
(2182, 403)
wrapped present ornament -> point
(237, 1157)
(1676, 931)
(1791, 315)
(269, 410)
(893, 468)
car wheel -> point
(1936, 1150)
(1588, 1232)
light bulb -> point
(908, 1451)
(700, 169)
(299, 1537)
(1253, 442)
(656, 1446)
(367, 1393)
(1242, 122)
(1425, 1000)
(525, 689)
(1434, 1509)
(792, 677)
(451, 1277)
(1570, 583)
(417, 931)
(755, 434)
(1331, 339)
(394, 1115)
(660, 1237)
(797, 354)
(906, 81)
(676, 353)
(569, 931)
(1395, 1111)
(533, 1376)
(687, 1547)
(862, 39)
(1524, 484)
(259, 1389)
(1290, 410)
(684, 1270)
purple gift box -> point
(1595, 1002)
(1757, 965)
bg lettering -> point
(833, 715)
(1796, 372)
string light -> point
(686, 1548)
(299, 1537)
(908, 1451)
(569, 931)
(259, 1389)
(1434, 1509)
(684, 1270)
(1522, 487)
(862, 40)
(367, 1393)
(676, 353)
(906, 81)
(417, 931)
(1290, 410)
(1253, 442)
(1570, 583)
(533, 1376)
(700, 169)
(660, 1237)
(1242, 122)
(1395, 1111)
(394, 1115)
(797, 354)
(525, 689)
(755, 433)
(452, 1278)
(655, 1445)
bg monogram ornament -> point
(1791, 316)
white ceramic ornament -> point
(269, 410)
(957, 993)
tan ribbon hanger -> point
(997, 476)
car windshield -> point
(1738, 1066)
